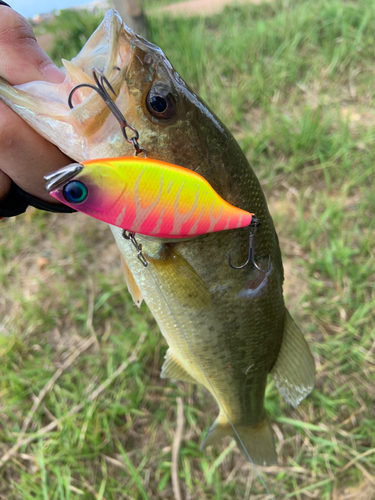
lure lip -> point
(59, 177)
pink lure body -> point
(150, 197)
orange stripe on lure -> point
(145, 196)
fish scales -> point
(235, 321)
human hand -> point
(25, 156)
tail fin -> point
(257, 439)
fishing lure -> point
(145, 196)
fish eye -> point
(161, 102)
(75, 192)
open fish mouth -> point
(59, 177)
(112, 50)
(109, 49)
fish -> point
(226, 328)
(145, 196)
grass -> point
(70, 29)
(294, 81)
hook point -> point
(254, 224)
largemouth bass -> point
(226, 328)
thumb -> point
(21, 58)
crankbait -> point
(145, 196)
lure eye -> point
(75, 192)
(161, 102)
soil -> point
(201, 7)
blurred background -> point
(294, 82)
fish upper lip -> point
(55, 179)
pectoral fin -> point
(294, 370)
(172, 369)
(179, 281)
(132, 285)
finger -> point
(26, 156)
(21, 58)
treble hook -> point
(254, 224)
(101, 90)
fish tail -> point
(256, 439)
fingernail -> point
(52, 73)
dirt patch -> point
(365, 491)
(201, 7)
(357, 117)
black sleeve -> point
(18, 200)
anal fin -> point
(172, 369)
(294, 370)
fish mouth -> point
(124, 61)
(61, 176)
(108, 48)
(110, 52)
(84, 127)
